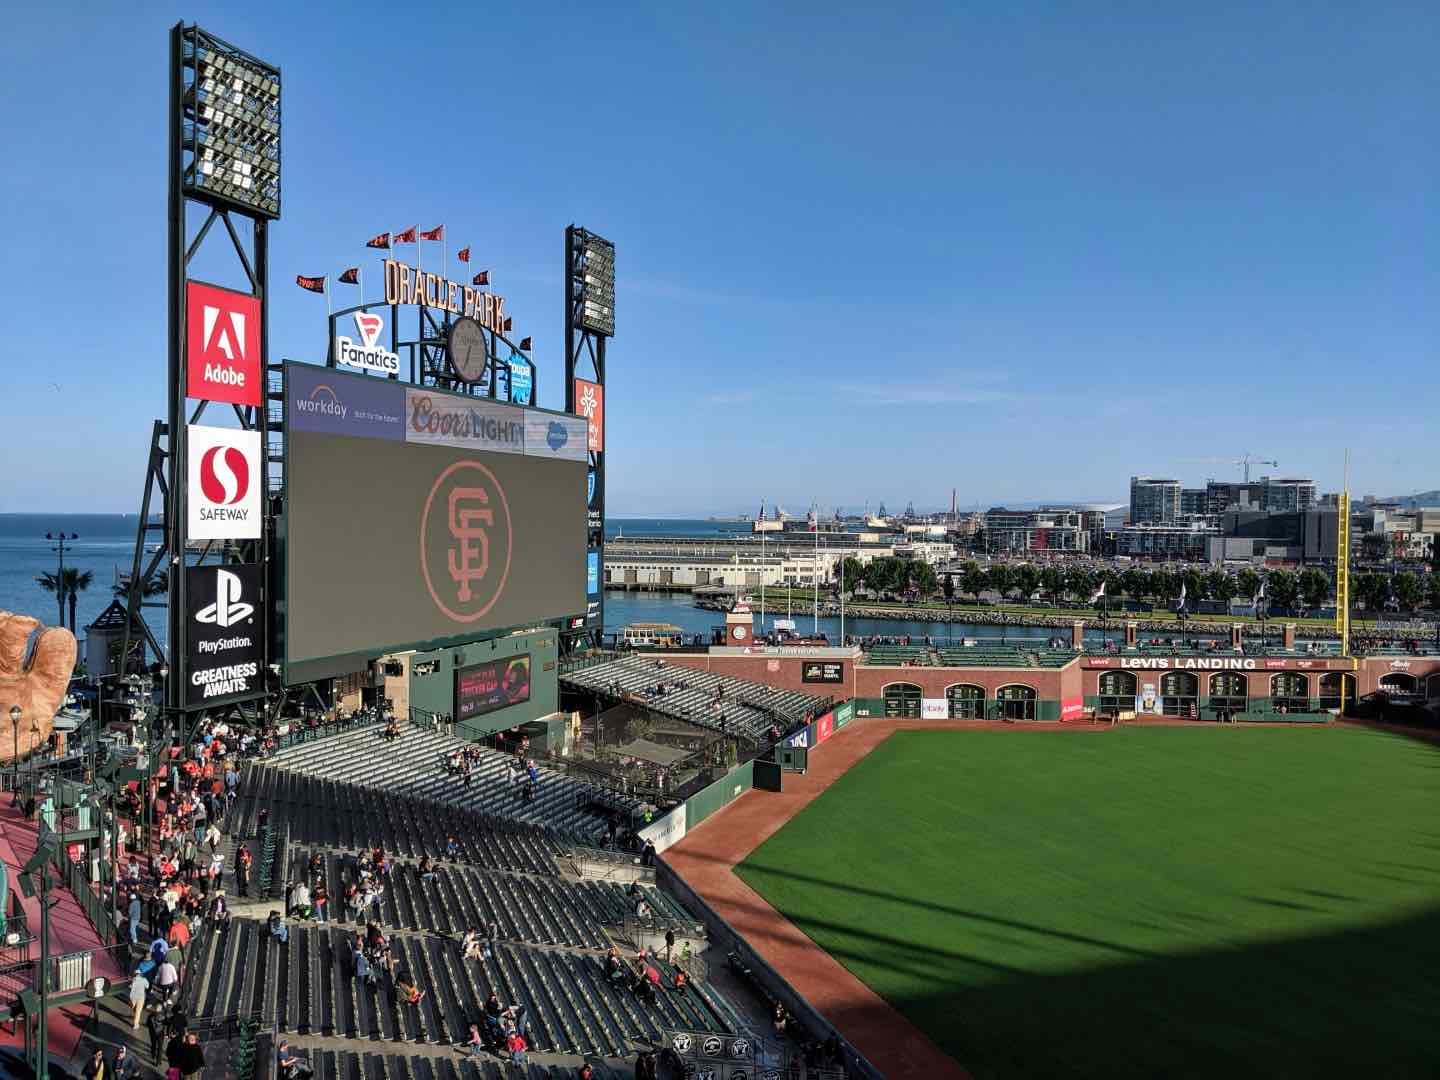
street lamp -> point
(60, 540)
(15, 714)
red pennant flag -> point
(406, 237)
(482, 278)
(463, 254)
(509, 322)
(381, 241)
(525, 345)
(314, 284)
(437, 233)
(351, 276)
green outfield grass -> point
(1142, 902)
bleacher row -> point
(348, 1065)
(336, 814)
(749, 707)
(411, 765)
(535, 909)
(307, 986)
(982, 654)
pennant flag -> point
(482, 278)
(1180, 604)
(406, 237)
(463, 254)
(509, 322)
(314, 284)
(381, 241)
(437, 233)
(351, 276)
(1099, 593)
(525, 345)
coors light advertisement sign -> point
(225, 633)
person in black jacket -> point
(190, 1059)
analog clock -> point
(465, 346)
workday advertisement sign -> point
(324, 400)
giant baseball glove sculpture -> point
(37, 687)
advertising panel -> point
(554, 435)
(367, 354)
(225, 643)
(222, 345)
(1071, 708)
(1148, 702)
(495, 684)
(323, 399)
(224, 473)
(666, 831)
(800, 738)
(472, 423)
(844, 713)
(824, 728)
(590, 403)
(454, 541)
(821, 671)
(592, 573)
(934, 708)
(522, 380)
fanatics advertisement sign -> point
(222, 345)
(225, 474)
(225, 635)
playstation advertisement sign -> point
(225, 634)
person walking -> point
(139, 994)
(132, 911)
(191, 1058)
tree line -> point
(1310, 588)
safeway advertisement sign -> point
(590, 403)
(222, 498)
(222, 345)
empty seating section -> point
(312, 990)
(983, 654)
(349, 1065)
(748, 707)
(411, 767)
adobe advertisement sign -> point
(225, 633)
(323, 399)
(590, 403)
(495, 684)
(225, 474)
(222, 345)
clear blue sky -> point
(865, 252)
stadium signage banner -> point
(934, 708)
(822, 671)
(225, 638)
(495, 684)
(590, 403)
(1214, 663)
(222, 345)
(322, 399)
(404, 285)
(367, 355)
(474, 423)
(666, 831)
(555, 435)
(224, 470)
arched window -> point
(1180, 694)
(1229, 690)
(1290, 692)
(966, 702)
(1331, 683)
(1117, 692)
(1398, 684)
(902, 699)
(1016, 702)
(1432, 686)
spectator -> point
(474, 1046)
(133, 913)
(191, 1058)
(278, 930)
(167, 978)
(96, 1068)
(492, 1011)
(586, 1072)
(779, 1020)
(517, 1047)
(669, 944)
(681, 981)
(427, 868)
(406, 992)
(124, 1067)
(139, 992)
(155, 1024)
(452, 847)
(363, 970)
(289, 1066)
(321, 903)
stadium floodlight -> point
(230, 126)
(594, 276)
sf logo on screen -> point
(465, 541)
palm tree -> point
(76, 582)
(51, 583)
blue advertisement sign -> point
(592, 573)
(522, 380)
(590, 488)
(323, 399)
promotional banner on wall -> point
(592, 573)
(495, 684)
(554, 435)
(225, 638)
(473, 423)
(844, 713)
(322, 399)
(522, 380)
(665, 831)
(1148, 702)
(936, 708)
(225, 473)
(222, 345)
(590, 403)
(1070, 708)
(824, 728)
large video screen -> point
(415, 519)
(495, 684)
